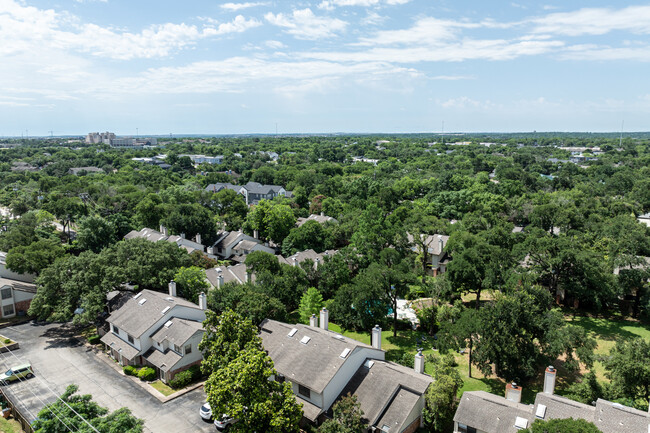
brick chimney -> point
(418, 365)
(203, 301)
(513, 392)
(376, 337)
(324, 318)
(172, 288)
(313, 321)
(549, 379)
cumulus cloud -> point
(331, 4)
(240, 6)
(304, 24)
(596, 21)
(26, 28)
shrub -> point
(7, 340)
(129, 370)
(147, 373)
(181, 379)
(94, 339)
(196, 372)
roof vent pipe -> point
(324, 318)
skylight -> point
(521, 423)
(541, 411)
(292, 332)
(305, 339)
(142, 301)
(345, 353)
(165, 310)
(168, 324)
(368, 364)
(137, 296)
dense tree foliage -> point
(568, 425)
(73, 412)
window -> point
(188, 349)
(304, 391)
(6, 293)
(116, 330)
(177, 349)
(8, 310)
(129, 338)
(462, 428)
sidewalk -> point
(144, 385)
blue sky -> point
(166, 66)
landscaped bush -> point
(147, 373)
(94, 339)
(181, 379)
(196, 372)
(7, 340)
(129, 370)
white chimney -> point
(313, 321)
(211, 250)
(256, 234)
(294, 261)
(376, 337)
(203, 301)
(198, 238)
(182, 235)
(324, 318)
(219, 278)
(549, 379)
(172, 288)
(247, 278)
(162, 229)
(513, 392)
(322, 214)
(441, 243)
(419, 362)
(316, 262)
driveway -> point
(59, 359)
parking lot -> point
(58, 359)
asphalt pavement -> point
(59, 359)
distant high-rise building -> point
(99, 137)
(124, 142)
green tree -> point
(191, 219)
(191, 281)
(95, 233)
(567, 425)
(242, 390)
(347, 417)
(310, 235)
(519, 332)
(67, 412)
(225, 336)
(272, 219)
(628, 368)
(32, 259)
(310, 303)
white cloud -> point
(276, 45)
(26, 28)
(237, 74)
(593, 52)
(331, 4)
(240, 6)
(373, 19)
(303, 24)
(596, 21)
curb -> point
(144, 385)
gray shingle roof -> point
(562, 407)
(309, 410)
(18, 285)
(491, 413)
(115, 342)
(313, 364)
(387, 392)
(318, 218)
(136, 319)
(163, 360)
(616, 418)
(179, 332)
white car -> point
(206, 411)
(224, 422)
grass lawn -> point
(162, 388)
(605, 331)
(10, 426)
